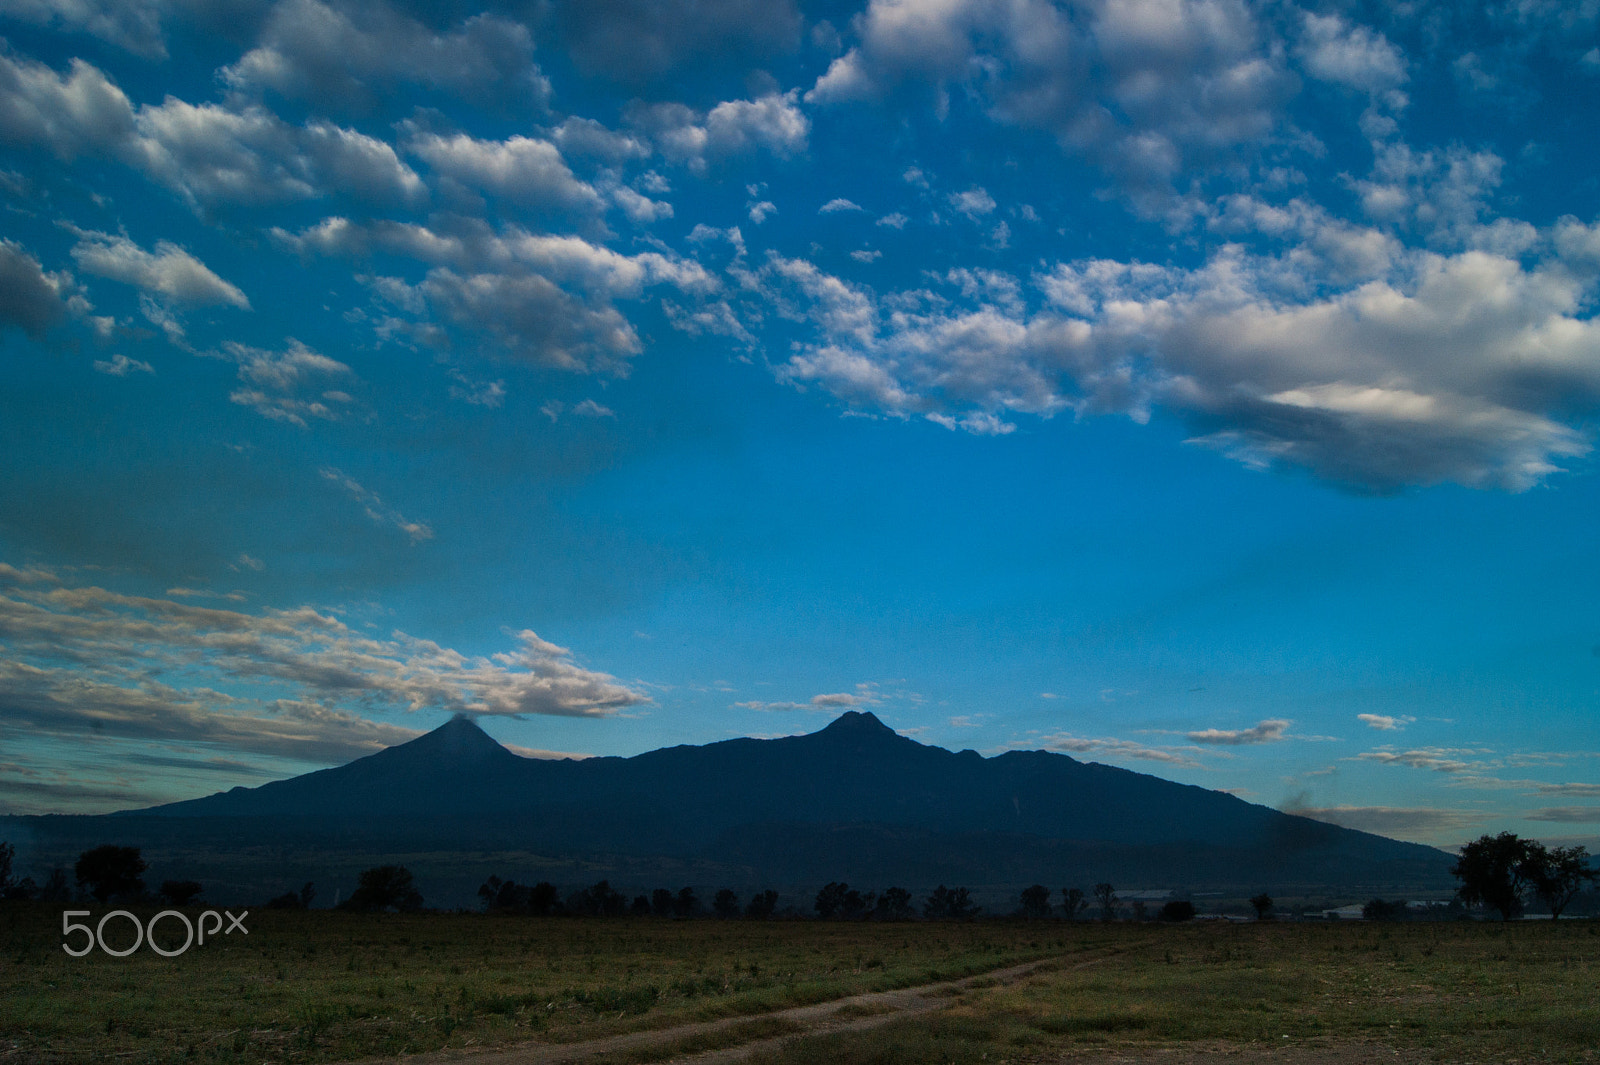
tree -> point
(1559, 874)
(686, 904)
(598, 900)
(661, 902)
(543, 899)
(180, 892)
(726, 903)
(1178, 910)
(110, 870)
(1073, 902)
(641, 906)
(1380, 910)
(55, 887)
(762, 905)
(949, 904)
(894, 905)
(1106, 896)
(1493, 871)
(1035, 902)
(1263, 905)
(506, 896)
(301, 900)
(840, 900)
(7, 853)
(384, 887)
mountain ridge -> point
(852, 795)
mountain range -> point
(854, 801)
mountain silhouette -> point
(854, 799)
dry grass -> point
(1446, 992)
(311, 987)
(324, 986)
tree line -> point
(1498, 873)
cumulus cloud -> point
(838, 204)
(212, 154)
(521, 170)
(170, 270)
(207, 153)
(1178, 84)
(1269, 731)
(293, 682)
(1374, 366)
(133, 25)
(81, 111)
(30, 297)
(543, 298)
(974, 203)
(292, 385)
(1353, 56)
(309, 50)
(772, 123)
(1383, 722)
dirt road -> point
(695, 1042)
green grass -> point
(325, 986)
(322, 986)
(1445, 992)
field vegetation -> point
(315, 986)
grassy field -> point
(325, 986)
(322, 986)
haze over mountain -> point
(853, 801)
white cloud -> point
(1112, 748)
(974, 203)
(547, 299)
(82, 112)
(1374, 366)
(292, 385)
(830, 702)
(1437, 759)
(120, 365)
(521, 169)
(287, 682)
(838, 204)
(1354, 56)
(1383, 722)
(207, 153)
(1269, 731)
(773, 123)
(170, 270)
(375, 508)
(1176, 82)
(309, 50)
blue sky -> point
(1198, 386)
